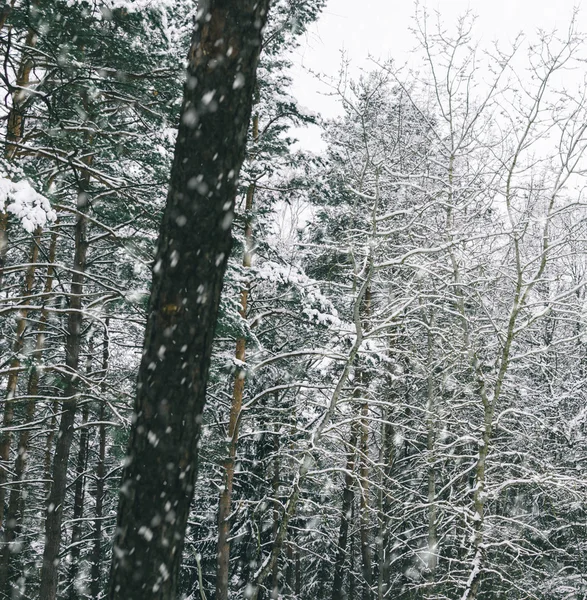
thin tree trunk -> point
(47, 461)
(276, 514)
(5, 13)
(290, 569)
(387, 458)
(364, 520)
(477, 550)
(54, 514)
(15, 509)
(78, 504)
(194, 243)
(225, 502)
(352, 578)
(15, 124)
(430, 441)
(347, 506)
(298, 574)
(96, 556)
(15, 365)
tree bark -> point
(96, 556)
(366, 554)
(54, 513)
(385, 503)
(47, 462)
(348, 496)
(298, 574)
(275, 579)
(78, 504)
(15, 508)
(5, 13)
(15, 124)
(15, 127)
(15, 365)
(362, 395)
(225, 502)
(193, 248)
(430, 443)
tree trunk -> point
(15, 127)
(298, 574)
(477, 551)
(15, 365)
(78, 504)
(16, 501)
(352, 578)
(96, 557)
(366, 558)
(430, 442)
(362, 391)
(290, 569)
(15, 124)
(6, 9)
(347, 506)
(54, 514)
(194, 243)
(387, 458)
(276, 513)
(225, 502)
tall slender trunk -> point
(78, 505)
(225, 502)
(348, 495)
(364, 520)
(192, 252)
(298, 589)
(290, 569)
(15, 365)
(477, 550)
(276, 513)
(48, 455)
(352, 578)
(5, 12)
(364, 517)
(385, 500)
(15, 508)
(54, 513)
(96, 556)
(15, 126)
(430, 442)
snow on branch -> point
(22, 200)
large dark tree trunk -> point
(193, 248)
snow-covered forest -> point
(395, 383)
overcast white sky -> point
(381, 28)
